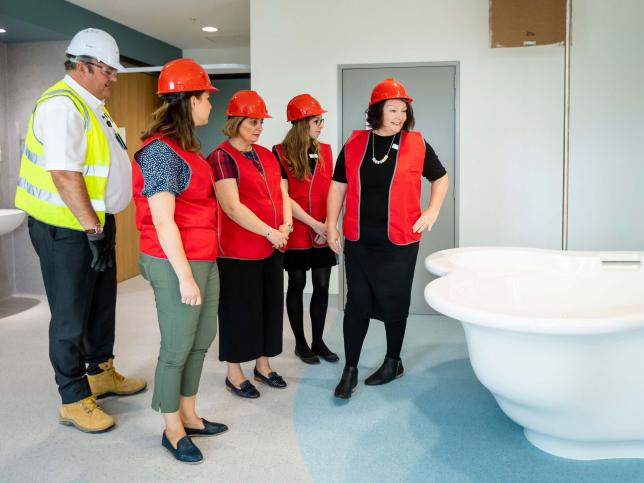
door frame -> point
(455, 195)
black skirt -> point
(308, 258)
(251, 308)
(379, 279)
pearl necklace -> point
(373, 155)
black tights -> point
(355, 331)
(319, 302)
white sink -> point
(10, 220)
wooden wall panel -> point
(131, 105)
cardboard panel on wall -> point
(523, 23)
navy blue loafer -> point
(273, 379)
(209, 429)
(186, 451)
(245, 389)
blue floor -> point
(435, 424)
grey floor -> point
(260, 445)
(437, 424)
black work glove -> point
(102, 252)
(110, 234)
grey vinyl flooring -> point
(260, 445)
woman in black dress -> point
(378, 173)
(308, 166)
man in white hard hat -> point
(75, 175)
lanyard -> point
(108, 121)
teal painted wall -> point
(65, 19)
(210, 135)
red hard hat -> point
(247, 104)
(184, 75)
(304, 105)
(389, 89)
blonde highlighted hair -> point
(231, 127)
(296, 147)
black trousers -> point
(82, 304)
(251, 308)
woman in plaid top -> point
(255, 222)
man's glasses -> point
(108, 71)
(318, 122)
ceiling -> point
(179, 23)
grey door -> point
(433, 88)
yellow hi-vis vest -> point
(37, 194)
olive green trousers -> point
(186, 331)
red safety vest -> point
(262, 195)
(195, 210)
(404, 191)
(311, 194)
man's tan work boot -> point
(86, 415)
(109, 382)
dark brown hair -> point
(174, 119)
(297, 144)
(374, 115)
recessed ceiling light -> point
(2, 31)
(209, 29)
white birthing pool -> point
(558, 339)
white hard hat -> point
(98, 44)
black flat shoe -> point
(209, 429)
(273, 379)
(347, 383)
(245, 389)
(324, 352)
(389, 370)
(306, 355)
(186, 451)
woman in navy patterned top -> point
(176, 214)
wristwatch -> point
(290, 227)
(96, 230)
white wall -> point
(31, 68)
(7, 277)
(607, 126)
(510, 99)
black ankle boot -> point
(388, 371)
(347, 383)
